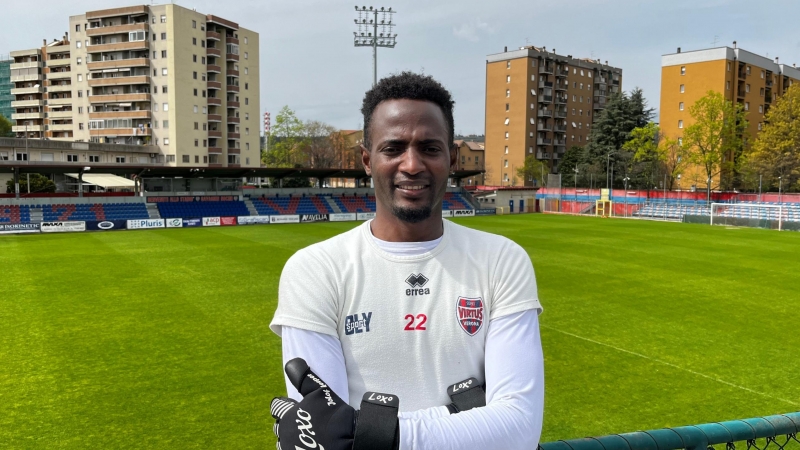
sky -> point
(309, 62)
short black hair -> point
(411, 86)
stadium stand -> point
(454, 200)
(13, 214)
(94, 211)
(356, 204)
(203, 209)
(268, 206)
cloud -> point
(471, 31)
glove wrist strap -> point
(378, 426)
(466, 395)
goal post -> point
(748, 215)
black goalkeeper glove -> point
(466, 395)
(322, 420)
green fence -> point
(762, 433)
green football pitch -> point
(160, 338)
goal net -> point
(749, 215)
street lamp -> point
(608, 162)
(780, 188)
(368, 35)
(576, 183)
(626, 179)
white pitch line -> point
(673, 365)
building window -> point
(120, 159)
(506, 134)
(80, 93)
(245, 55)
(185, 158)
(683, 70)
(194, 24)
(204, 109)
(163, 36)
(166, 107)
(165, 123)
(508, 92)
(194, 76)
(680, 141)
(78, 44)
(197, 159)
(94, 158)
(505, 163)
(761, 109)
(683, 89)
(203, 60)
(80, 126)
(194, 58)
(80, 77)
(163, 89)
(247, 131)
(164, 71)
(195, 92)
(163, 19)
(246, 70)
(748, 70)
(196, 126)
(203, 44)
(759, 126)
(80, 109)
(729, 67)
(680, 106)
(247, 147)
(506, 106)
(78, 28)
(166, 141)
(508, 78)
(747, 88)
(680, 124)
(78, 61)
(761, 92)
(508, 64)
(163, 53)
(204, 127)
(762, 74)
(170, 158)
(71, 158)
(196, 142)
(246, 116)
(195, 109)
(747, 106)
(727, 85)
(506, 149)
(246, 101)
(205, 143)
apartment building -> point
(740, 76)
(161, 76)
(5, 87)
(471, 156)
(540, 103)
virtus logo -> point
(417, 281)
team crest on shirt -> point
(469, 312)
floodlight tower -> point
(368, 34)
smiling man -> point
(410, 304)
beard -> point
(412, 215)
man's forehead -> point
(402, 114)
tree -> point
(533, 170)
(655, 155)
(39, 183)
(572, 159)
(284, 140)
(5, 127)
(317, 146)
(674, 157)
(776, 151)
(714, 141)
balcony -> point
(546, 69)
(232, 104)
(61, 127)
(740, 92)
(214, 150)
(116, 81)
(233, 72)
(544, 141)
(214, 118)
(59, 101)
(213, 35)
(32, 77)
(117, 29)
(615, 82)
(141, 114)
(27, 128)
(59, 88)
(27, 103)
(562, 72)
(231, 57)
(561, 114)
(769, 81)
(60, 114)
(27, 90)
(561, 87)
(560, 129)
(231, 40)
(23, 116)
(215, 133)
(65, 74)
(234, 151)
(547, 84)
(213, 68)
(600, 100)
(560, 143)
(114, 12)
(545, 99)
(540, 155)
(213, 84)
(232, 119)
(120, 132)
(213, 51)
(232, 87)
(58, 62)
(26, 65)
(545, 113)
(545, 127)
(117, 63)
(119, 46)
(119, 98)
(561, 100)
(214, 101)
(233, 135)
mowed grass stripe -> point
(159, 338)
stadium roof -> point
(155, 171)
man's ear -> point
(365, 160)
(453, 156)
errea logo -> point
(417, 281)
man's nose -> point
(412, 162)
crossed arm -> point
(512, 417)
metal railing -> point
(762, 433)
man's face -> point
(409, 158)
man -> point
(410, 304)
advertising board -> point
(193, 222)
(305, 218)
(211, 221)
(175, 222)
(105, 225)
(284, 219)
(463, 213)
(485, 212)
(365, 216)
(60, 227)
(227, 221)
(141, 224)
(342, 217)
(251, 220)
(447, 213)
(14, 228)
